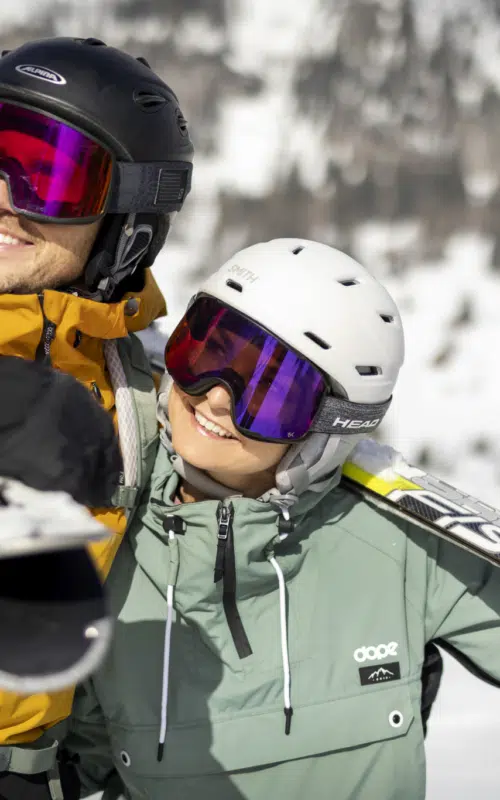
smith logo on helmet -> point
(244, 273)
(41, 73)
(355, 423)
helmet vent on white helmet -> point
(297, 250)
(234, 285)
(349, 282)
(369, 370)
(387, 317)
(317, 340)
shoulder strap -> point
(135, 397)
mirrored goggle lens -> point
(53, 170)
(276, 393)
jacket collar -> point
(94, 319)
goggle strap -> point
(149, 187)
(340, 416)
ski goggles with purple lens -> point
(57, 173)
(277, 394)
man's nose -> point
(5, 204)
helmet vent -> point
(297, 250)
(181, 122)
(369, 371)
(148, 100)
(93, 42)
(317, 340)
(387, 317)
(233, 285)
(349, 282)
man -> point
(95, 158)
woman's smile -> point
(207, 427)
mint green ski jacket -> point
(330, 620)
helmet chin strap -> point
(133, 244)
(309, 465)
(120, 247)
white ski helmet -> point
(332, 311)
(325, 306)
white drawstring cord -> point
(284, 645)
(166, 664)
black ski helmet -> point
(120, 101)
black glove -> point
(54, 435)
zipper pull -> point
(48, 335)
(96, 392)
(223, 521)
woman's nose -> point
(219, 399)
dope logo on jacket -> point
(376, 653)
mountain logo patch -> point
(382, 674)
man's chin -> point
(14, 286)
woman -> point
(272, 625)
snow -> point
(449, 409)
(481, 186)
(195, 34)
(252, 142)
(388, 464)
(263, 32)
(18, 13)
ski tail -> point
(381, 475)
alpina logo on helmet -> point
(42, 73)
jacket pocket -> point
(246, 741)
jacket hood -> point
(23, 317)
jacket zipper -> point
(225, 570)
(48, 335)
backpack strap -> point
(135, 398)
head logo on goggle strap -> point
(42, 73)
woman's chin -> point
(203, 455)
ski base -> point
(382, 475)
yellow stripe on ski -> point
(375, 483)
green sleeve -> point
(463, 606)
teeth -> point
(211, 426)
(5, 239)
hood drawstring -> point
(285, 526)
(171, 525)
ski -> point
(382, 475)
